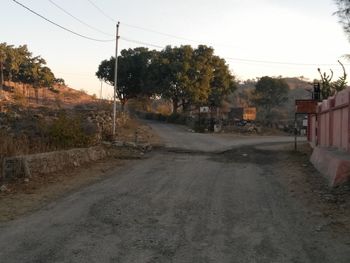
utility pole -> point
(115, 79)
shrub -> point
(66, 132)
(177, 118)
(19, 98)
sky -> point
(303, 35)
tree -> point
(192, 77)
(3, 52)
(133, 65)
(344, 14)
(17, 64)
(59, 81)
(270, 93)
(170, 74)
(223, 82)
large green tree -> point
(270, 93)
(222, 83)
(171, 74)
(186, 76)
(190, 76)
(133, 66)
(18, 64)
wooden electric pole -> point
(115, 80)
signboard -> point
(204, 109)
(305, 122)
(306, 106)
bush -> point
(67, 132)
(177, 118)
(19, 98)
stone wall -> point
(44, 163)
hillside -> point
(298, 89)
(57, 97)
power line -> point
(147, 29)
(277, 62)
(243, 59)
(140, 42)
(79, 20)
(154, 45)
(161, 33)
(62, 27)
(102, 12)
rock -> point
(26, 180)
(131, 144)
(106, 143)
(318, 228)
(118, 144)
(3, 189)
(38, 116)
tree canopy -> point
(19, 65)
(270, 93)
(133, 68)
(344, 14)
(187, 76)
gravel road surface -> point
(200, 206)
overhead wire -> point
(77, 19)
(60, 26)
(276, 62)
(102, 12)
(147, 29)
(141, 42)
(150, 44)
(196, 41)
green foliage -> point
(326, 86)
(329, 88)
(187, 76)
(270, 93)
(133, 65)
(67, 132)
(190, 76)
(19, 65)
(60, 81)
(172, 118)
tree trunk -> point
(185, 106)
(36, 90)
(123, 102)
(175, 105)
(1, 75)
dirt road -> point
(200, 206)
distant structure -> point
(245, 114)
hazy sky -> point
(293, 31)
